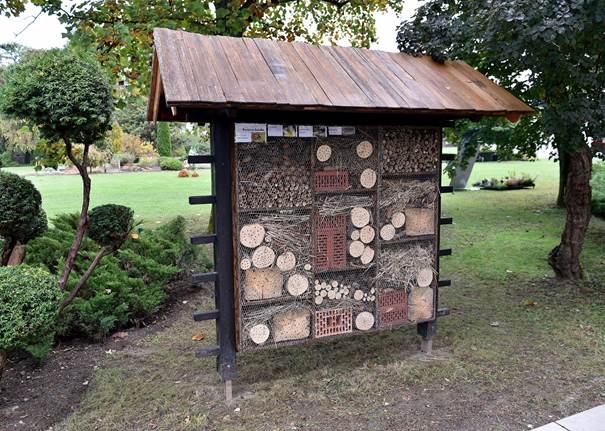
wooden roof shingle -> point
(214, 72)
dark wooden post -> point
(221, 141)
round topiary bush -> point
(170, 164)
(109, 225)
(28, 309)
(21, 216)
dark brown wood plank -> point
(367, 80)
(203, 73)
(304, 74)
(222, 69)
(335, 82)
(186, 68)
(174, 85)
(290, 83)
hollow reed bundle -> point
(400, 266)
(286, 230)
(398, 196)
(340, 204)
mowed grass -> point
(155, 197)
(518, 349)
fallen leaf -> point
(528, 302)
(198, 337)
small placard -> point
(250, 132)
(305, 131)
(290, 131)
(348, 130)
(335, 130)
(320, 131)
(275, 130)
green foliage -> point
(132, 117)
(127, 286)
(548, 52)
(598, 190)
(28, 309)
(6, 160)
(170, 164)
(110, 224)
(163, 144)
(66, 95)
(21, 215)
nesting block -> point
(419, 221)
(292, 325)
(392, 307)
(333, 322)
(421, 304)
(263, 283)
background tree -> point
(548, 52)
(121, 30)
(163, 144)
(68, 97)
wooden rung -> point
(444, 282)
(446, 189)
(446, 220)
(200, 316)
(445, 252)
(203, 277)
(201, 200)
(203, 239)
(448, 156)
(201, 159)
(443, 312)
(208, 351)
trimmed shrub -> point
(28, 309)
(163, 144)
(598, 189)
(170, 164)
(127, 286)
(109, 225)
(183, 173)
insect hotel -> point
(326, 182)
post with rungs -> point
(221, 134)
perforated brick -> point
(330, 242)
(392, 308)
(333, 322)
(330, 181)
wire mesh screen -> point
(336, 234)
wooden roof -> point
(194, 71)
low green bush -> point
(598, 189)
(149, 162)
(127, 286)
(109, 225)
(6, 161)
(170, 164)
(28, 309)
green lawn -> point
(518, 349)
(155, 196)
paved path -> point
(590, 420)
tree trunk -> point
(74, 292)
(9, 245)
(17, 255)
(565, 258)
(3, 361)
(563, 176)
(83, 223)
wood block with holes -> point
(333, 322)
(292, 325)
(420, 304)
(392, 308)
(419, 221)
(263, 283)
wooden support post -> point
(228, 391)
(427, 330)
(221, 138)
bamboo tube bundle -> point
(410, 150)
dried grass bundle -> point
(401, 265)
(340, 204)
(397, 195)
(286, 230)
(264, 315)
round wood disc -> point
(424, 278)
(297, 284)
(252, 235)
(245, 264)
(398, 219)
(367, 234)
(360, 217)
(368, 178)
(308, 267)
(263, 257)
(364, 321)
(324, 152)
(259, 333)
(358, 295)
(365, 149)
(286, 261)
(356, 248)
(367, 255)
(355, 235)
(387, 232)
(319, 300)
